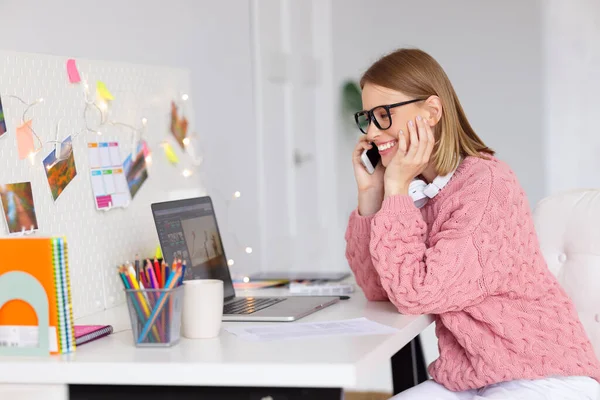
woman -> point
(469, 256)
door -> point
(293, 93)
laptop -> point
(188, 229)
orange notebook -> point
(35, 257)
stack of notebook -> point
(46, 259)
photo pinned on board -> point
(2, 120)
(179, 125)
(60, 170)
(135, 168)
(18, 207)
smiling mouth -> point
(386, 146)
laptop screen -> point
(188, 229)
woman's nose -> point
(373, 132)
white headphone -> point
(421, 192)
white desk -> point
(339, 362)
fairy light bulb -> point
(230, 262)
(99, 133)
(31, 157)
(144, 121)
(148, 159)
(187, 173)
(246, 279)
(40, 100)
(237, 194)
(184, 97)
(248, 249)
(186, 141)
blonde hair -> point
(418, 75)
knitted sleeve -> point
(441, 276)
(358, 234)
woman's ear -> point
(433, 105)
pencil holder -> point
(155, 316)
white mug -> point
(202, 308)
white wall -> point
(572, 61)
(211, 38)
(492, 52)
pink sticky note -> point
(72, 71)
(145, 149)
(25, 140)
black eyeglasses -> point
(380, 115)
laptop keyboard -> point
(249, 305)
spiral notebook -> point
(88, 333)
(46, 260)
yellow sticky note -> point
(103, 91)
(170, 153)
(158, 253)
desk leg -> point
(124, 392)
(406, 370)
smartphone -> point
(370, 158)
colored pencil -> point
(134, 300)
(171, 282)
(137, 266)
(182, 273)
(146, 308)
(157, 271)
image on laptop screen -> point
(187, 229)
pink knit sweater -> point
(471, 257)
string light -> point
(237, 194)
(246, 279)
(31, 156)
(248, 249)
(103, 106)
(230, 262)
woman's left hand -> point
(406, 165)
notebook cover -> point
(33, 256)
(88, 333)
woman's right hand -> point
(370, 187)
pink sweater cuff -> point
(399, 204)
(360, 225)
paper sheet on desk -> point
(287, 331)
